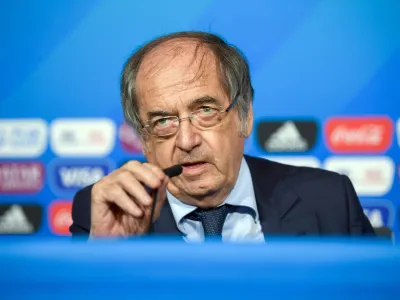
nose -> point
(188, 136)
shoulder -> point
(328, 196)
(83, 197)
(294, 174)
(81, 207)
(307, 182)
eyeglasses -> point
(203, 118)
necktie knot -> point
(212, 219)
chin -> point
(200, 188)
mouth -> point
(194, 167)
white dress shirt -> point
(242, 222)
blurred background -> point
(326, 75)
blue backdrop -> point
(311, 60)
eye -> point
(207, 111)
(162, 122)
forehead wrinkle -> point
(180, 57)
(163, 105)
(171, 91)
(168, 91)
(165, 110)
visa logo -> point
(75, 177)
(378, 215)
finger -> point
(134, 188)
(119, 197)
(157, 170)
(143, 174)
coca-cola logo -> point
(60, 217)
(351, 135)
(63, 218)
(370, 134)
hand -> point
(121, 206)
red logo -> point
(60, 217)
(130, 140)
(359, 134)
(21, 177)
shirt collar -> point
(241, 195)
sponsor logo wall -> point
(67, 176)
(370, 175)
(287, 135)
(21, 177)
(22, 138)
(46, 163)
(82, 137)
(379, 212)
(359, 134)
(19, 218)
(355, 146)
(82, 151)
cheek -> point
(224, 142)
(160, 152)
(231, 145)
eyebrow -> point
(193, 104)
(203, 100)
(158, 113)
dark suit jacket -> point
(290, 200)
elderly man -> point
(189, 95)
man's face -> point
(171, 80)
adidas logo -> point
(286, 138)
(14, 220)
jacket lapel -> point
(274, 196)
(273, 211)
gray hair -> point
(233, 71)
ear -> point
(249, 121)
